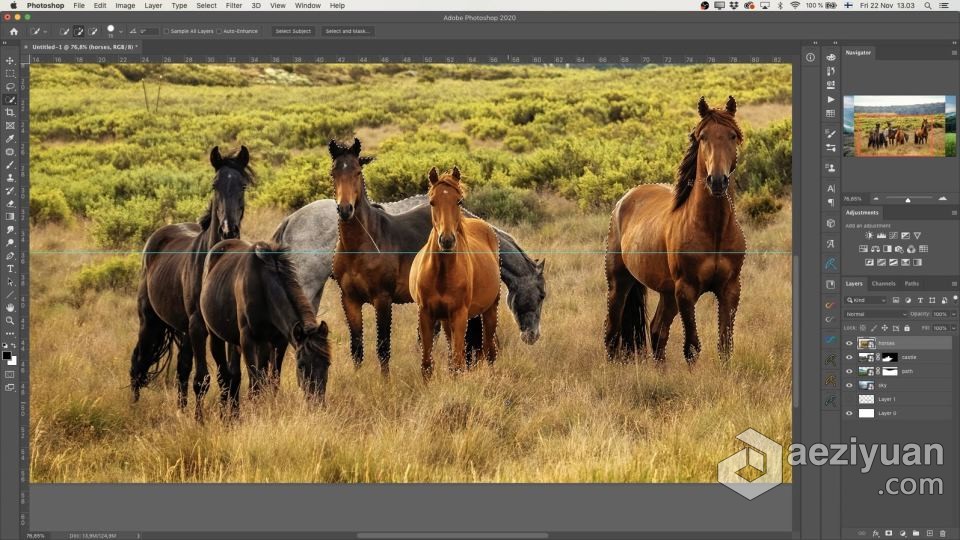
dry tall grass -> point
(553, 412)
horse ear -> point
(540, 265)
(323, 329)
(366, 160)
(355, 149)
(243, 156)
(334, 148)
(731, 105)
(298, 333)
(456, 173)
(434, 177)
(702, 107)
(215, 158)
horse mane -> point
(205, 218)
(687, 171)
(277, 260)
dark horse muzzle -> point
(345, 211)
(229, 231)
(718, 184)
(447, 242)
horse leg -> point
(686, 295)
(474, 340)
(426, 334)
(265, 351)
(279, 351)
(233, 360)
(353, 311)
(728, 299)
(660, 326)
(218, 350)
(251, 355)
(619, 284)
(489, 320)
(458, 334)
(201, 378)
(448, 332)
(184, 367)
(384, 309)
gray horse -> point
(311, 234)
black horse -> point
(169, 294)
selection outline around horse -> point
(169, 292)
(681, 241)
(253, 304)
(455, 276)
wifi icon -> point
(795, 4)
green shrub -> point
(759, 206)
(517, 143)
(116, 274)
(767, 159)
(48, 205)
(506, 204)
(485, 128)
(126, 225)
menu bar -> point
(475, 11)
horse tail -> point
(280, 232)
(151, 356)
(625, 331)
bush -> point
(759, 206)
(126, 225)
(767, 159)
(48, 205)
(115, 273)
(506, 204)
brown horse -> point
(456, 275)
(682, 242)
(251, 299)
(920, 135)
(374, 252)
(168, 301)
(895, 135)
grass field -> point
(556, 411)
(545, 152)
(864, 123)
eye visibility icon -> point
(761, 454)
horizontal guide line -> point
(374, 252)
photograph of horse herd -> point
(479, 273)
(900, 126)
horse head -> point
(718, 138)
(446, 197)
(233, 175)
(313, 359)
(525, 301)
(347, 174)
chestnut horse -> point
(251, 299)
(456, 275)
(920, 135)
(168, 301)
(680, 241)
(374, 252)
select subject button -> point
(294, 31)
